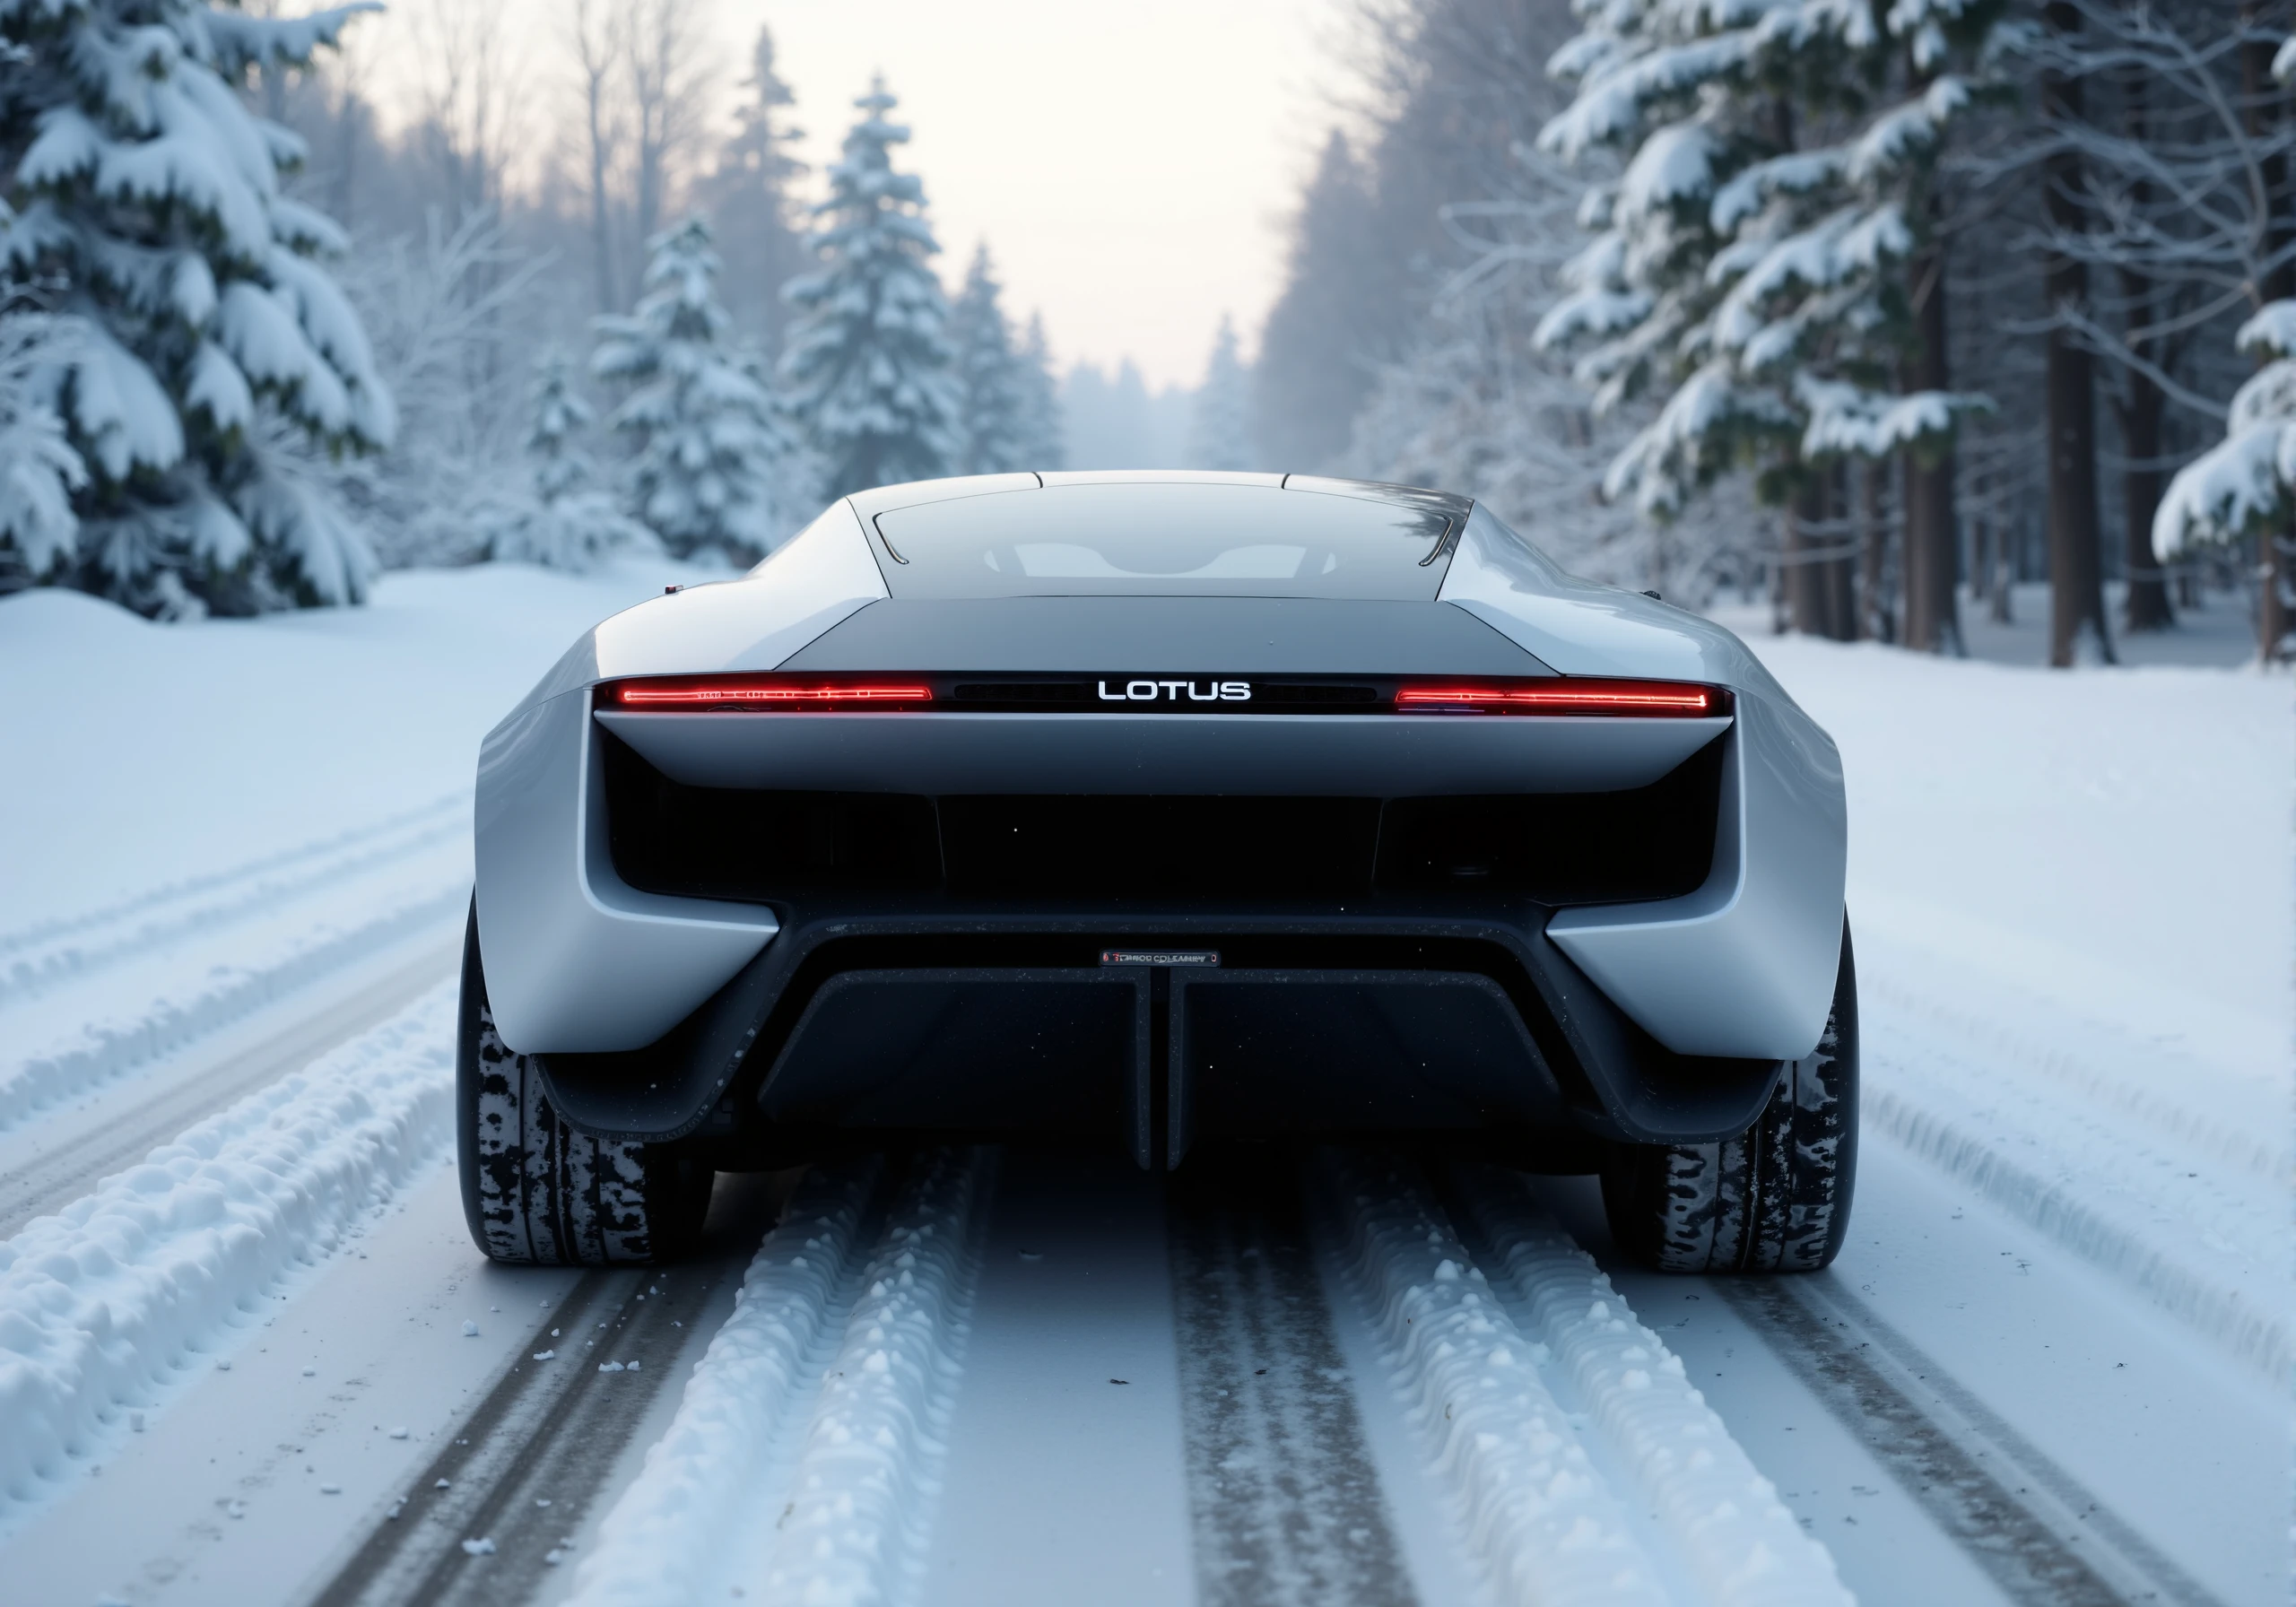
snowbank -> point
(2117, 839)
(153, 754)
(2071, 895)
(102, 1305)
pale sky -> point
(1129, 164)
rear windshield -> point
(1184, 539)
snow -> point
(1548, 1523)
(103, 1305)
(2092, 997)
(150, 733)
(841, 1521)
(2070, 893)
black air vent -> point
(1159, 848)
(1653, 842)
(707, 842)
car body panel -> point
(580, 964)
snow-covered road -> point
(247, 1354)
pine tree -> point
(1219, 421)
(38, 469)
(2245, 485)
(992, 427)
(1751, 281)
(706, 443)
(568, 523)
(219, 366)
(867, 370)
(749, 198)
(1043, 437)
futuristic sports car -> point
(1166, 807)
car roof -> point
(1161, 532)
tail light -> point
(680, 694)
(1565, 695)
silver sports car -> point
(1163, 808)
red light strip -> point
(756, 694)
(1567, 696)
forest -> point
(1871, 311)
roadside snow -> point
(104, 1306)
(150, 755)
(2072, 899)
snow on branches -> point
(867, 368)
(1219, 425)
(992, 408)
(569, 522)
(1749, 265)
(2246, 485)
(218, 365)
(38, 469)
(708, 445)
(2243, 484)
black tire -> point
(539, 1192)
(1774, 1199)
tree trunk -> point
(596, 56)
(1841, 570)
(2276, 546)
(1873, 537)
(2147, 606)
(1805, 598)
(2075, 548)
(1932, 624)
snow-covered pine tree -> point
(1218, 418)
(991, 427)
(1044, 441)
(1749, 267)
(867, 366)
(707, 442)
(569, 522)
(216, 357)
(38, 469)
(2245, 485)
(749, 198)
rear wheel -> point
(539, 1193)
(1774, 1199)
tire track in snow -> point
(2032, 1526)
(36, 958)
(1740, 1541)
(105, 1304)
(1286, 1503)
(58, 1176)
(760, 1366)
(487, 1518)
(227, 994)
(1532, 1504)
(2192, 1218)
(837, 1518)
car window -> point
(1185, 539)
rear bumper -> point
(995, 1022)
(662, 1014)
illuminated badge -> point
(1160, 957)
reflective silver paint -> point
(575, 961)
(1745, 966)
